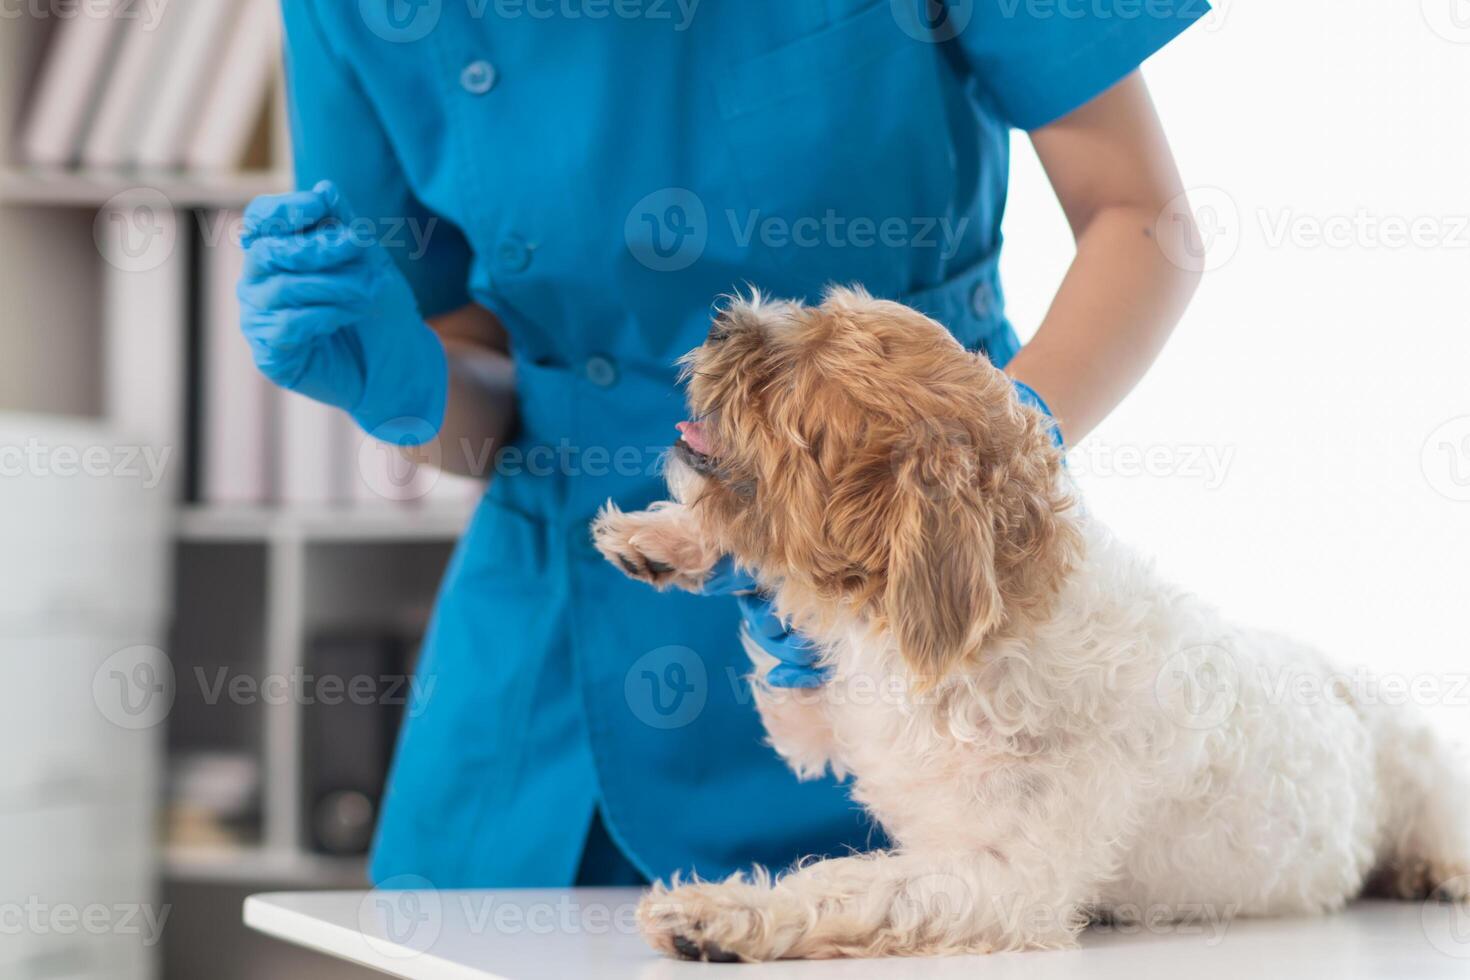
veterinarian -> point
(589, 185)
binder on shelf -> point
(145, 290)
(131, 88)
(198, 44)
(235, 398)
(347, 745)
(72, 73)
(315, 443)
(237, 108)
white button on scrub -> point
(478, 77)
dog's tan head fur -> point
(861, 457)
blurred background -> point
(212, 593)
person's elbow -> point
(1182, 244)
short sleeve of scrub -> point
(1040, 59)
(337, 135)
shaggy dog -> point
(1047, 731)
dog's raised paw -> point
(637, 565)
(637, 544)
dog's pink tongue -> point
(693, 435)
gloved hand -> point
(327, 314)
(1028, 396)
(797, 656)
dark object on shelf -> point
(342, 822)
(356, 687)
(213, 799)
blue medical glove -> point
(327, 314)
(1028, 396)
(797, 656)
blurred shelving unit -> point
(247, 587)
(440, 523)
(288, 574)
(74, 189)
(260, 866)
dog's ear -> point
(943, 594)
(979, 535)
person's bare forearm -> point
(1114, 175)
(1115, 309)
(479, 414)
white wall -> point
(1330, 383)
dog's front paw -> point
(728, 922)
(649, 547)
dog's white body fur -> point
(1121, 751)
(1135, 756)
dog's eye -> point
(719, 330)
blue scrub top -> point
(597, 173)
